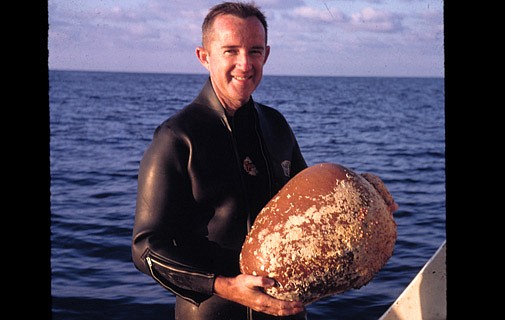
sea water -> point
(101, 123)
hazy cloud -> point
(373, 20)
(317, 36)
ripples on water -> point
(100, 124)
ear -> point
(203, 56)
(267, 53)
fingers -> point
(258, 281)
(267, 304)
(249, 291)
(278, 307)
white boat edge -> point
(425, 298)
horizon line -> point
(264, 75)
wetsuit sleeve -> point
(163, 206)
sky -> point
(390, 38)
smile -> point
(241, 78)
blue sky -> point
(307, 37)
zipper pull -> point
(148, 259)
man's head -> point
(238, 9)
(234, 39)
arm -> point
(165, 245)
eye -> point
(230, 52)
(256, 52)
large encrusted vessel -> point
(326, 231)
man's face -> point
(234, 54)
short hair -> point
(239, 9)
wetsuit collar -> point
(208, 97)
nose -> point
(243, 62)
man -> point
(208, 172)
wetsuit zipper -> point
(248, 205)
(265, 158)
(239, 167)
(150, 262)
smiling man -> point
(234, 51)
(207, 173)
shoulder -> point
(189, 116)
(270, 114)
(265, 108)
(192, 118)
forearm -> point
(191, 283)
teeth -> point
(240, 78)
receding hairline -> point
(242, 10)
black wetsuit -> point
(202, 181)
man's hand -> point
(247, 290)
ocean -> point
(101, 123)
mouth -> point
(242, 78)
